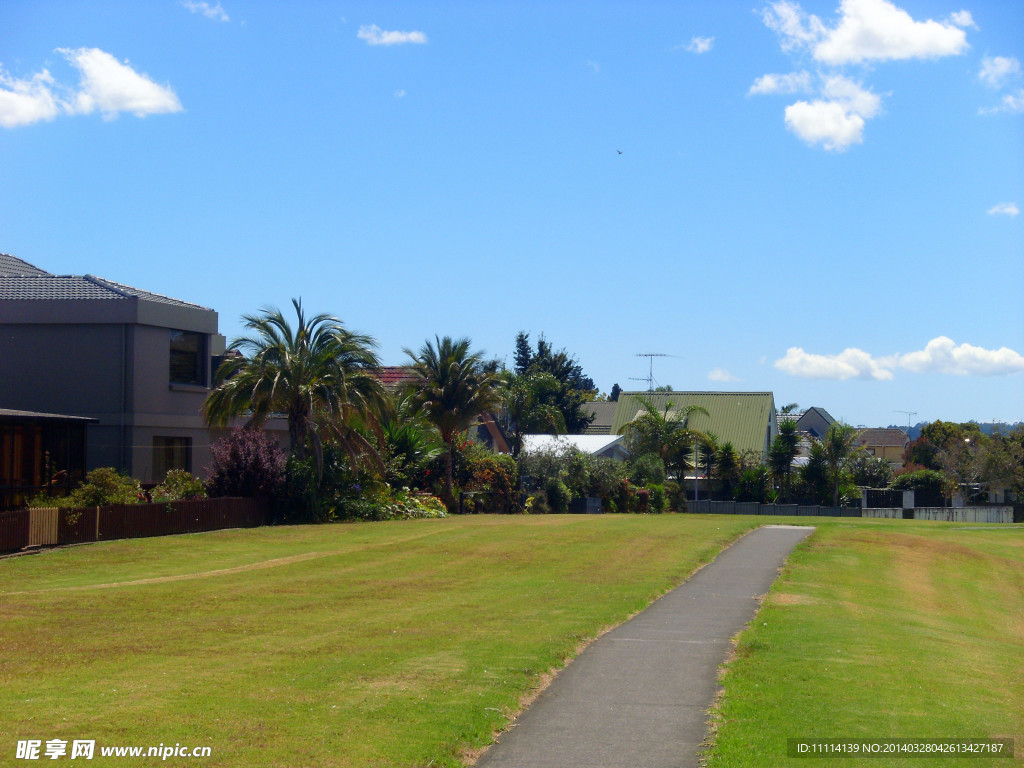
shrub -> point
(179, 485)
(658, 501)
(246, 463)
(494, 475)
(625, 496)
(537, 504)
(558, 496)
(385, 504)
(643, 500)
(676, 496)
(105, 486)
(648, 469)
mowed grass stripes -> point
(384, 644)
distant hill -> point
(987, 427)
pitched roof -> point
(882, 437)
(12, 266)
(394, 376)
(745, 419)
(604, 416)
(593, 444)
(44, 286)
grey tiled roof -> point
(53, 287)
(137, 292)
(12, 266)
(72, 287)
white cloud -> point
(851, 363)
(215, 12)
(399, 94)
(720, 374)
(1012, 102)
(942, 355)
(1006, 209)
(700, 44)
(106, 85)
(962, 19)
(796, 28)
(794, 82)
(24, 102)
(996, 70)
(109, 86)
(837, 121)
(374, 35)
(864, 31)
(876, 30)
(867, 30)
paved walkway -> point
(637, 697)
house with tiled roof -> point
(138, 363)
(888, 443)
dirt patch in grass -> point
(786, 598)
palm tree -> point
(318, 374)
(782, 451)
(839, 444)
(526, 410)
(727, 468)
(451, 388)
(665, 433)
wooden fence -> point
(51, 526)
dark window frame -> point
(187, 358)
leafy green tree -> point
(613, 396)
(528, 409)
(781, 453)
(319, 374)
(451, 389)
(870, 471)
(664, 433)
(575, 387)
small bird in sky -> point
(619, 151)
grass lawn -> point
(409, 643)
(382, 644)
(912, 630)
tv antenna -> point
(909, 415)
(650, 372)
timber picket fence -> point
(51, 526)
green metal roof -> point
(745, 419)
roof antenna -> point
(650, 374)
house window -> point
(171, 453)
(188, 354)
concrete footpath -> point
(637, 697)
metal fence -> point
(705, 507)
(51, 526)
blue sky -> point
(821, 199)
